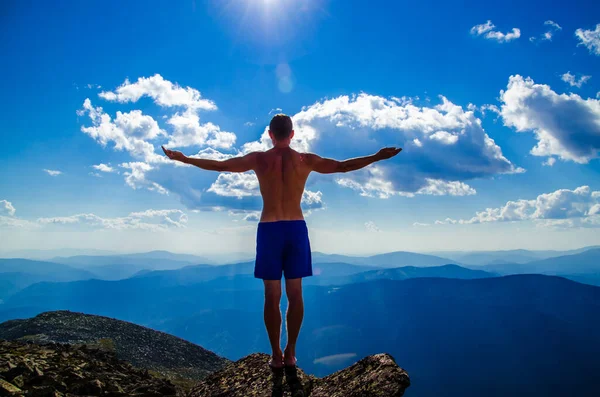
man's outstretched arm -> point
(330, 166)
(236, 164)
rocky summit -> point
(71, 354)
(143, 347)
(55, 370)
(373, 376)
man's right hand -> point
(174, 154)
(387, 152)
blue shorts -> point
(282, 247)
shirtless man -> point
(282, 244)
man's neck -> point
(281, 145)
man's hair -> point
(281, 126)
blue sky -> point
(205, 77)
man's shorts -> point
(282, 247)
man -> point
(282, 244)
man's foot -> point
(276, 360)
(291, 377)
(277, 388)
(289, 357)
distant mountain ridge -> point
(390, 259)
(584, 262)
(519, 256)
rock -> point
(373, 376)
(19, 381)
(45, 371)
(98, 335)
(8, 389)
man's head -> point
(281, 128)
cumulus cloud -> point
(129, 131)
(552, 28)
(136, 177)
(104, 168)
(444, 145)
(371, 227)
(574, 82)
(550, 162)
(163, 92)
(565, 125)
(487, 30)
(579, 207)
(238, 185)
(253, 216)
(188, 131)
(152, 220)
(6, 208)
(53, 172)
(590, 39)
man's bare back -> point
(282, 175)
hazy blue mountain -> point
(42, 268)
(401, 258)
(518, 256)
(390, 259)
(161, 254)
(139, 260)
(402, 273)
(539, 334)
(580, 263)
(16, 274)
(320, 257)
(591, 278)
(115, 272)
(51, 253)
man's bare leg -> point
(272, 317)
(294, 316)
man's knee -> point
(272, 293)
(293, 290)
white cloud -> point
(550, 162)
(104, 168)
(572, 81)
(189, 132)
(564, 207)
(6, 208)
(248, 123)
(590, 39)
(443, 188)
(53, 172)
(553, 27)
(164, 93)
(212, 154)
(238, 185)
(153, 220)
(553, 24)
(253, 216)
(443, 143)
(421, 224)
(371, 227)
(128, 132)
(149, 219)
(487, 30)
(566, 126)
(136, 177)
